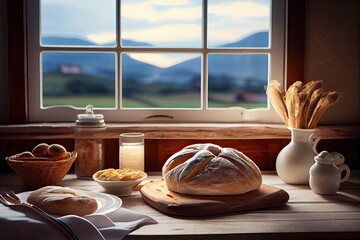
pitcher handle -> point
(342, 168)
(314, 139)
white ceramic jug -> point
(325, 174)
(294, 160)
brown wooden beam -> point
(17, 62)
(295, 41)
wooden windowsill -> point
(174, 131)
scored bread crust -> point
(61, 201)
(208, 169)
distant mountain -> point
(138, 70)
(130, 43)
(256, 66)
(102, 64)
(232, 65)
(71, 41)
(259, 39)
(66, 41)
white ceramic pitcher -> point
(294, 160)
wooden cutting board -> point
(160, 197)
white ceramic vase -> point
(294, 160)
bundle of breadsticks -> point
(301, 106)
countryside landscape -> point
(81, 78)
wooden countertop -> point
(306, 215)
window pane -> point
(239, 24)
(78, 23)
(237, 80)
(79, 79)
(161, 80)
(146, 23)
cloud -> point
(170, 2)
(102, 37)
(148, 11)
(162, 60)
(154, 21)
(77, 18)
(165, 33)
(234, 20)
(229, 21)
(238, 10)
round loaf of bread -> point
(61, 201)
(208, 169)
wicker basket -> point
(39, 172)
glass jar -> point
(89, 143)
(131, 151)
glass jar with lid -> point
(131, 151)
(89, 143)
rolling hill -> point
(103, 64)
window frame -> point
(243, 115)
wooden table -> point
(306, 215)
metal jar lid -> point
(90, 119)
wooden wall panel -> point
(17, 62)
(157, 151)
(295, 42)
(350, 148)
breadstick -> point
(291, 101)
(329, 98)
(277, 101)
(299, 111)
(311, 105)
(311, 86)
(301, 106)
(275, 84)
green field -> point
(167, 101)
(144, 101)
(81, 90)
(80, 101)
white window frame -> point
(227, 115)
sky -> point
(162, 23)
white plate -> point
(107, 203)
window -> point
(153, 60)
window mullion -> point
(118, 56)
(239, 51)
(204, 58)
(76, 49)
